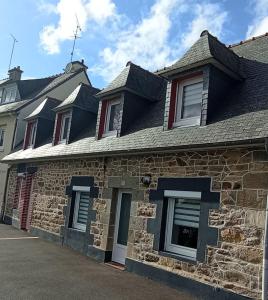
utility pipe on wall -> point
(265, 259)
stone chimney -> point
(75, 66)
(15, 73)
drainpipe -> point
(3, 206)
(265, 259)
(265, 247)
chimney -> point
(15, 74)
(75, 66)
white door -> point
(121, 227)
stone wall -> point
(240, 175)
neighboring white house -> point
(18, 98)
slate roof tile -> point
(83, 97)
(139, 81)
(205, 48)
(153, 139)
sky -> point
(150, 33)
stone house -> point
(166, 174)
(19, 97)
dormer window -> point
(65, 124)
(112, 120)
(188, 105)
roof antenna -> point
(12, 51)
(77, 30)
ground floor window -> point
(81, 206)
(182, 222)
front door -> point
(121, 227)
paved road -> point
(35, 269)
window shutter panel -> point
(57, 129)
(172, 104)
(27, 135)
(102, 118)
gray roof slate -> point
(243, 128)
(31, 89)
(83, 97)
(13, 107)
(205, 48)
(253, 49)
(44, 110)
(137, 80)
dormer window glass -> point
(65, 124)
(189, 98)
(32, 134)
(2, 134)
(112, 121)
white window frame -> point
(180, 122)
(1, 95)
(63, 119)
(2, 133)
(186, 252)
(107, 119)
(78, 190)
(32, 134)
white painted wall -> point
(15, 125)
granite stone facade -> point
(240, 176)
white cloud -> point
(155, 41)
(98, 11)
(207, 16)
(150, 44)
(259, 24)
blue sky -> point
(151, 33)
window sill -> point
(178, 257)
(77, 230)
(110, 134)
(187, 122)
(62, 142)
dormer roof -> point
(44, 110)
(138, 81)
(207, 49)
(83, 97)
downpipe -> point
(265, 258)
(265, 247)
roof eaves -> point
(123, 89)
(241, 143)
(169, 72)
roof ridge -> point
(220, 42)
(248, 40)
(145, 70)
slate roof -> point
(34, 88)
(253, 49)
(137, 80)
(57, 80)
(44, 110)
(241, 129)
(13, 106)
(241, 118)
(207, 47)
(83, 97)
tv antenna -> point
(12, 51)
(77, 30)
